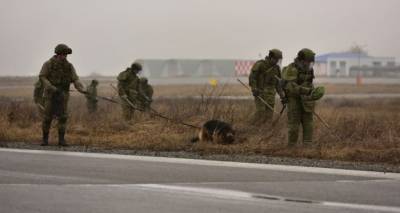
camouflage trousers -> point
(297, 117)
(55, 106)
(127, 110)
(263, 113)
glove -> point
(255, 92)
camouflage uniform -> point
(91, 96)
(56, 75)
(263, 83)
(146, 94)
(38, 96)
(298, 80)
(128, 88)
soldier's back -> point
(125, 75)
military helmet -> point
(317, 93)
(136, 66)
(143, 80)
(275, 53)
(94, 81)
(306, 54)
(62, 49)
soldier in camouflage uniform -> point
(38, 96)
(128, 89)
(264, 84)
(146, 94)
(298, 85)
(91, 96)
(56, 76)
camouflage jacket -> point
(128, 83)
(298, 84)
(262, 77)
(59, 74)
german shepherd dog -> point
(215, 131)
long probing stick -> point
(327, 126)
(148, 101)
(283, 104)
(155, 113)
(259, 97)
(40, 106)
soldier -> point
(56, 76)
(128, 89)
(91, 96)
(146, 93)
(38, 96)
(264, 84)
(301, 96)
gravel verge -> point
(378, 167)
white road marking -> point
(221, 194)
(232, 194)
(217, 193)
(366, 181)
(44, 177)
(286, 168)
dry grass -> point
(370, 129)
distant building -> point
(351, 64)
(164, 68)
(383, 71)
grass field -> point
(369, 130)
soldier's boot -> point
(45, 130)
(61, 139)
(45, 140)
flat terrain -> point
(48, 181)
(361, 130)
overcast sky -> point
(106, 36)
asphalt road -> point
(52, 181)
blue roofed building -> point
(343, 64)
